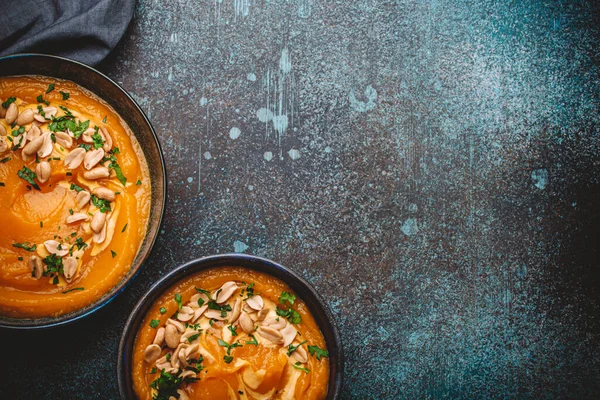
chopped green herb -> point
(17, 145)
(2, 184)
(154, 323)
(138, 182)
(41, 224)
(193, 337)
(213, 305)
(72, 290)
(76, 188)
(40, 99)
(125, 227)
(65, 95)
(228, 358)
(292, 348)
(80, 244)
(102, 204)
(71, 211)
(167, 384)
(200, 301)
(20, 258)
(69, 173)
(85, 146)
(249, 290)
(153, 370)
(5, 160)
(233, 330)
(54, 267)
(292, 315)
(253, 341)
(50, 88)
(289, 297)
(206, 292)
(114, 166)
(25, 246)
(318, 352)
(104, 120)
(298, 366)
(163, 310)
(178, 300)
(98, 139)
(113, 254)
(8, 102)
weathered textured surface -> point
(430, 166)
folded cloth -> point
(83, 30)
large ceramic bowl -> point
(311, 298)
(127, 108)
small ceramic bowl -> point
(128, 109)
(315, 303)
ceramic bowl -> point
(307, 293)
(129, 110)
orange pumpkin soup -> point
(230, 333)
(74, 197)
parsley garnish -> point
(103, 205)
(125, 227)
(228, 358)
(104, 120)
(25, 246)
(50, 88)
(97, 138)
(233, 330)
(193, 337)
(65, 95)
(138, 182)
(318, 352)
(178, 300)
(154, 323)
(289, 297)
(213, 305)
(54, 267)
(5, 160)
(76, 188)
(292, 315)
(253, 341)
(28, 176)
(250, 290)
(113, 254)
(167, 384)
(163, 310)
(292, 348)
(8, 101)
(40, 99)
(298, 366)
(115, 166)
(72, 290)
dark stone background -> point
(443, 197)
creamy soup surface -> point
(74, 197)
(230, 333)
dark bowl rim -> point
(213, 261)
(120, 287)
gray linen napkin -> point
(84, 30)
